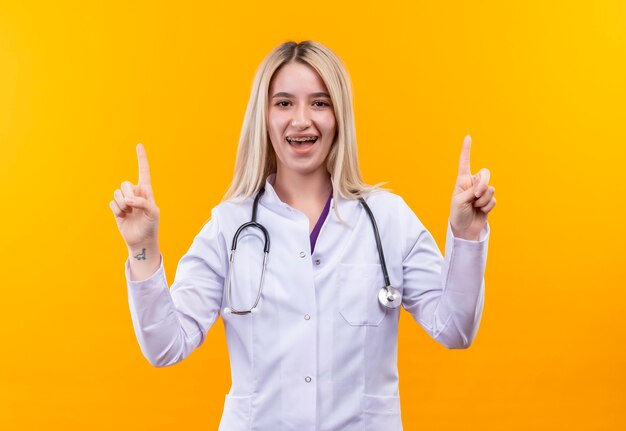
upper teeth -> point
(308, 138)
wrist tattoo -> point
(142, 255)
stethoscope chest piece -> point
(390, 297)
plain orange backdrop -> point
(539, 85)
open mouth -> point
(301, 141)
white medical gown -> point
(321, 353)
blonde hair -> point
(256, 158)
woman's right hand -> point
(136, 213)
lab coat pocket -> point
(381, 413)
(358, 294)
(236, 415)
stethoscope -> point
(388, 296)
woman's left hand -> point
(472, 198)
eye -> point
(282, 103)
(320, 103)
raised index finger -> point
(144, 169)
(464, 161)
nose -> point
(300, 118)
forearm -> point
(460, 314)
(463, 295)
(144, 260)
(165, 334)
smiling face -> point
(301, 120)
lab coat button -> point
(307, 317)
(302, 254)
(307, 379)
(318, 261)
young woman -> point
(306, 264)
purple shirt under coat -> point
(320, 222)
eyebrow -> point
(288, 95)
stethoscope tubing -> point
(389, 296)
(379, 245)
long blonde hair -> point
(256, 158)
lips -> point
(301, 139)
(302, 144)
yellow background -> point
(539, 85)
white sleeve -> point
(444, 295)
(172, 323)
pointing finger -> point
(464, 161)
(144, 169)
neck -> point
(295, 189)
